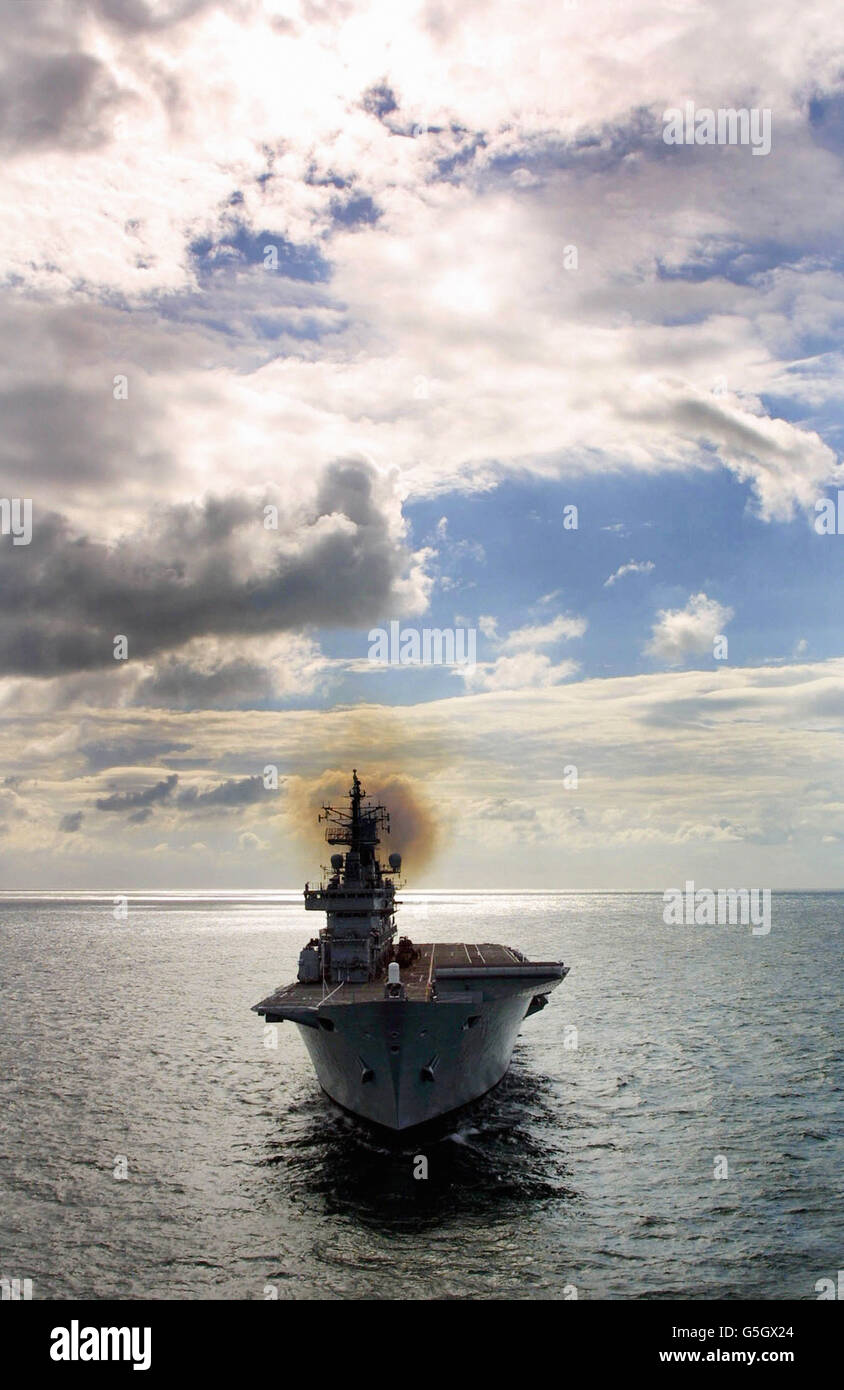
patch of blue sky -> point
(358, 210)
(238, 245)
(278, 326)
(448, 167)
(825, 417)
(737, 262)
(592, 151)
(506, 554)
(826, 119)
(255, 308)
(784, 581)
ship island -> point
(399, 1033)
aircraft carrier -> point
(399, 1033)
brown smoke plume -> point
(414, 829)
(396, 758)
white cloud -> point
(461, 281)
(632, 567)
(527, 671)
(520, 664)
(726, 776)
(249, 842)
(682, 632)
(562, 628)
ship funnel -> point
(395, 862)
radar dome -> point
(336, 862)
(395, 862)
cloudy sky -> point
(322, 314)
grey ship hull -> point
(403, 1062)
(425, 1059)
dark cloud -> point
(101, 753)
(501, 808)
(179, 684)
(139, 16)
(235, 792)
(194, 573)
(54, 93)
(62, 101)
(232, 794)
(62, 431)
(71, 822)
(126, 801)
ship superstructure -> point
(358, 899)
(399, 1033)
